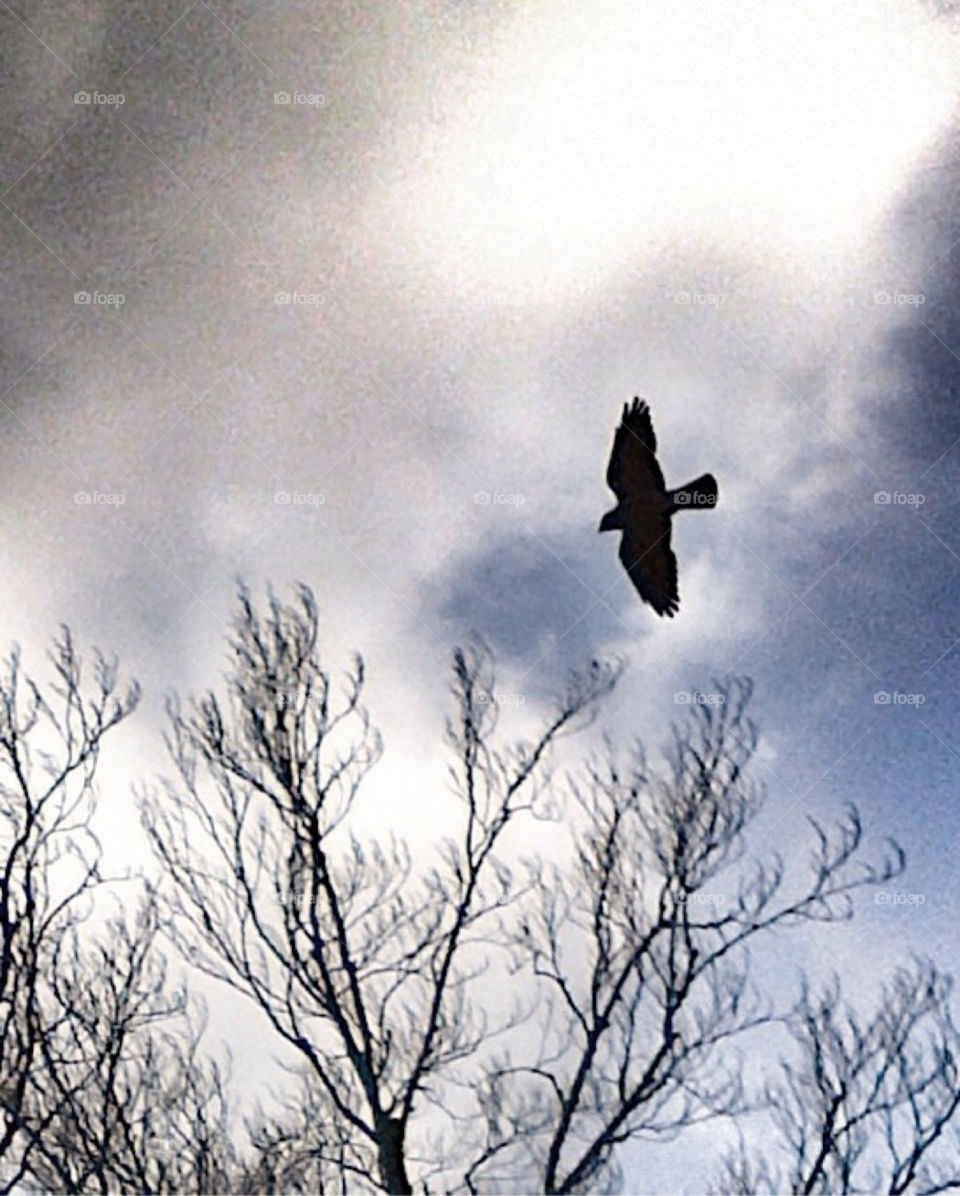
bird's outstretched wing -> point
(633, 473)
(646, 555)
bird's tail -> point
(699, 494)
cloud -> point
(578, 143)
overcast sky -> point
(494, 223)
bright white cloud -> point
(591, 134)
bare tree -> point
(868, 1105)
(359, 965)
(486, 1023)
(629, 974)
(49, 856)
(302, 1146)
(120, 1097)
(102, 1084)
(639, 958)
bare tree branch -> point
(49, 856)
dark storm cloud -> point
(542, 602)
(199, 399)
(920, 414)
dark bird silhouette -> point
(645, 508)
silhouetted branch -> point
(362, 968)
(49, 856)
(868, 1105)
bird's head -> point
(611, 522)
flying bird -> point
(645, 508)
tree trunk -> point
(393, 1171)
